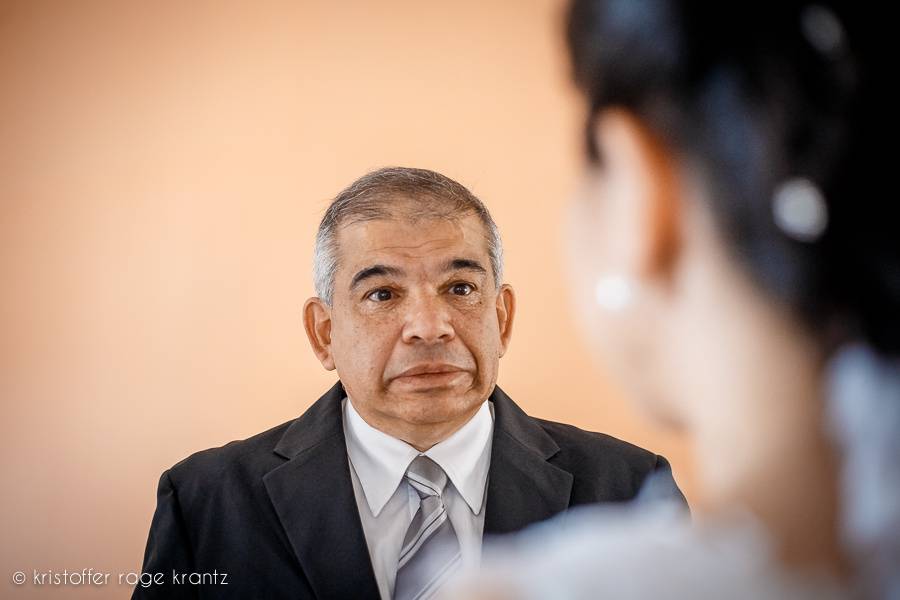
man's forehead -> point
(411, 239)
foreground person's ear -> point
(317, 323)
(644, 184)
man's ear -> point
(317, 322)
(647, 190)
(506, 312)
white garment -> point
(864, 413)
(641, 551)
(387, 503)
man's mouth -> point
(429, 369)
(429, 375)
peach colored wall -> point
(163, 166)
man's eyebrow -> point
(374, 271)
(463, 264)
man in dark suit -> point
(387, 484)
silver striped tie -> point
(430, 553)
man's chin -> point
(434, 406)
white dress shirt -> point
(387, 503)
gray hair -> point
(375, 196)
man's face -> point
(417, 325)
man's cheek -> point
(370, 359)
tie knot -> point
(426, 476)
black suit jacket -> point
(274, 516)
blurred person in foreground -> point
(737, 269)
(385, 485)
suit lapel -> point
(523, 487)
(313, 496)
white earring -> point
(614, 292)
(800, 209)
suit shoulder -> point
(239, 457)
(606, 468)
(589, 447)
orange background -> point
(163, 167)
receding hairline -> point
(404, 216)
(410, 207)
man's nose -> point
(427, 321)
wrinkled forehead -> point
(411, 241)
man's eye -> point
(461, 289)
(380, 295)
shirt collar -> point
(380, 460)
(466, 456)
